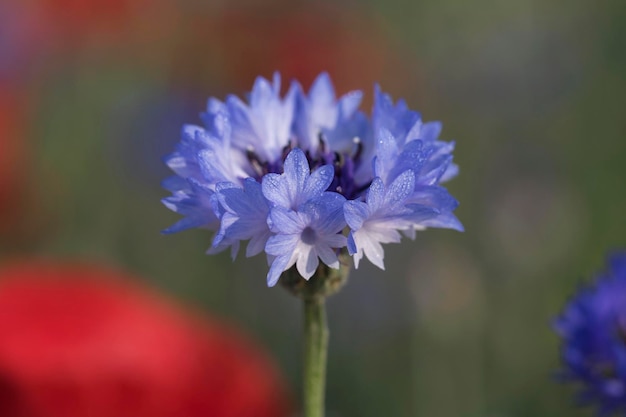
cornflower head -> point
(304, 176)
(593, 331)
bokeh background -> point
(93, 94)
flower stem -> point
(315, 352)
(313, 292)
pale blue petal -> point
(279, 264)
(432, 172)
(419, 214)
(413, 157)
(257, 244)
(322, 91)
(276, 82)
(451, 172)
(445, 221)
(296, 172)
(376, 195)
(326, 213)
(318, 182)
(386, 153)
(245, 214)
(189, 223)
(275, 190)
(349, 103)
(355, 213)
(295, 186)
(328, 256)
(281, 244)
(243, 134)
(335, 240)
(262, 92)
(431, 131)
(226, 221)
(175, 183)
(284, 221)
(400, 188)
(196, 205)
(352, 249)
(307, 262)
(341, 138)
(433, 196)
(397, 119)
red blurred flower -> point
(237, 43)
(79, 340)
(73, 19)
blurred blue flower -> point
(305, 175)
(593, 329)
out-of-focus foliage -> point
(458, 325)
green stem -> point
(313, 292)
(315, 351)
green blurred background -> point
(94, 93)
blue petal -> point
(451, 172)
(326, 212)
(386, 153)
(175, 183)
(376, 195)
(328, 255)
(400, 188)
(445, 221)
(188, 223)
(420, 214)
(397, 119)
(307, 263)
(245, 215)
(284, 221)
(349, 103)
(296, 172)
(318, 182)
(295, 186)
(352, 249)
(262, 92)
(430, 131)
(322, 90)
(433, 196)
(275, 191)
(281, 244)
(432, 172)
(196, 204)
(412, 157)
(355, 213)
(279, 264)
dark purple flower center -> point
(308, 236)
(345, 164)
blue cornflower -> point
(305, 176)
(593, 329)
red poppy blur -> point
(300, 40)
(76, 17)
(79, 340)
